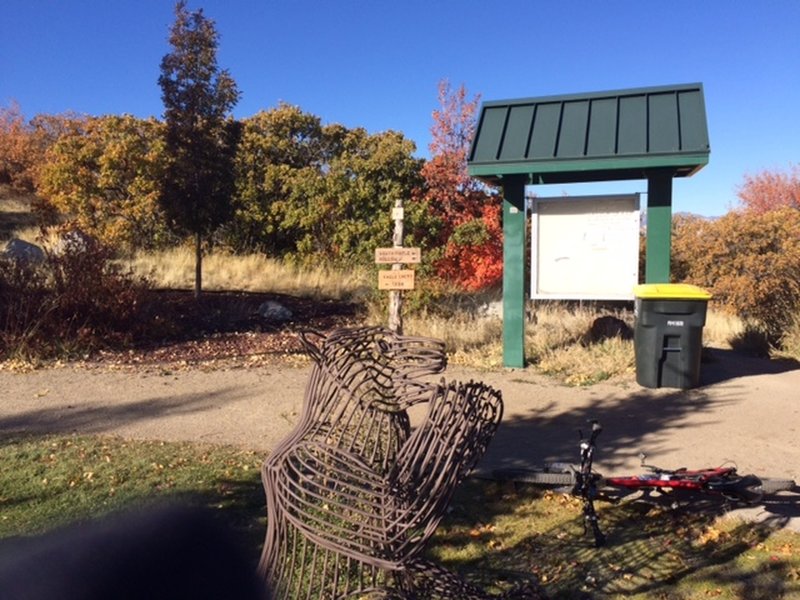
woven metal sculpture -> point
(353, 495)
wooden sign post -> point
(397, 279)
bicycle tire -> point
(770, 485)
(533, 476)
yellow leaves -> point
(486, 534)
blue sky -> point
(376, 64)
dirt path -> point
(746, 411)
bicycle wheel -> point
(771, 485)
(534, 476)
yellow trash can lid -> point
(670, 291)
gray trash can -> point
(668, 334)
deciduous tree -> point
(24, 144)
(750, 262)
(771, 190)
(471, 229)
(280, 151)
(107, 177)
(307, 191)
(200, 137)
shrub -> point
(77, 301)
(749, 262)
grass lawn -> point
(495, 533)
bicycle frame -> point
(723, 480)
(681, 479)
(583, 482)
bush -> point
(75, 302)
(749, 262)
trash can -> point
(668, 334)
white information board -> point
(585, 248)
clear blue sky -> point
(376, 64)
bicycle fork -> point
(586, 486)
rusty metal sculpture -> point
(353, 494)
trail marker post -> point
(396, 279)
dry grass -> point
(558, 343)
(470, 340)
(722, 328)
(174, 269)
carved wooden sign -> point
(406, 256)
(396, 280)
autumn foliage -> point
(750, 262)
(771, 190)
(76, 301)
(470, 217)
(24, 144)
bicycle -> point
(588, 485)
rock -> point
(73, 241)
(23, 252)
(274, 312)
(492, 309)
(607, 327)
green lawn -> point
(494, 534)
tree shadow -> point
(12, 221)
(650, 548)
(549, 433)
(94, 419)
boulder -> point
(606, 327)
(23, 252)
(274, 312)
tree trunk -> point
(198, 266)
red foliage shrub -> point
(77, 301)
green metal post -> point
(514, 271)
(659, 227)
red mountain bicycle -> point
(584, 483)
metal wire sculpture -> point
(353, 494)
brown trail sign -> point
(396, 280)
(406, 256)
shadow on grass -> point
(652, 550)
(63, 481)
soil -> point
(225, 327)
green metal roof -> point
(593, 137)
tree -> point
(24, 144)
(470, 218)
(307, 191)
(280, 152)
(107, 177)
(349, 214)
(771, 190)
(200, 137)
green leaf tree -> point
(308, 192)
(281, 151)
(200, 136)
